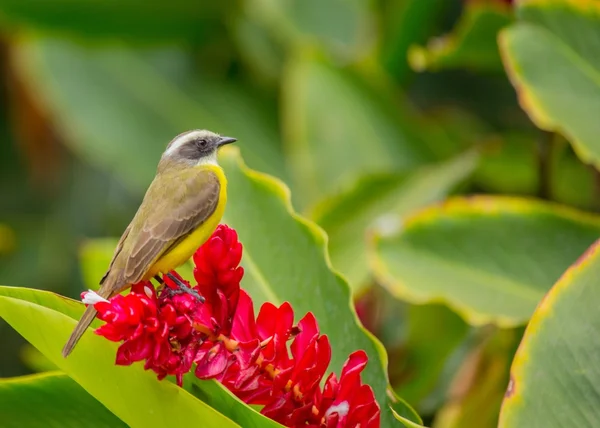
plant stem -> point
(544, 157)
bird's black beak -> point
(226, 140)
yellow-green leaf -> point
(551, 56)
(490, 258)
(134, 395)
(348, 217)
(555, 378)
(286, 260)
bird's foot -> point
(182, 288)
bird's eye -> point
(202, 143)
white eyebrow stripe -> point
(180, 140)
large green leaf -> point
(555, 379)
(213, 393)
(561, 36)
(286, 260)
(147, 97)
(46, 319)
(348, 217)
(490, 258)
(472, 44)
(51, 400)
(208, 391)
(131, 19)
(337, 128)
(34, 360)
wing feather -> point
(177, 209)
(116, 253)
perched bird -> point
(181, 209)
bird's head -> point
(195, 147)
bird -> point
(179, 212)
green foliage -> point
(438, 200)
(471, 46)
(338, 127)
(560, 340)
(51, 400)
(479, 385)
(134, 20)
(117, 388)
(116, 81)
(350, 216)
(436, 255)
(561, 35)
(425, 351)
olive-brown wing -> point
(172, 208)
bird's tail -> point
(80, 328)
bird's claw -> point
(182, 288)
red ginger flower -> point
(348, 402)
(249, 355)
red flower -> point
(349, 402)
(157, 330)
(249, 355)
(218, 274)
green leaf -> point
(513, 152)
(343, 27)
(489, 258)
(51, 400)
(148, 97)
(218, 397)
(559, 35)
(286, 260)
(260, 53)
(406, 422)
(134, 395)
(406, 23)
(35, 360)
(426, 350)
(478, 387)
(349, 216)
(132, 20)
(472, 44)
(555, 380)
(337, 127)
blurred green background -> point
(363, 108)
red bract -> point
(218, 274)
(172, 330)
(348, 402)
(157, 330)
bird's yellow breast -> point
(186, 248)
